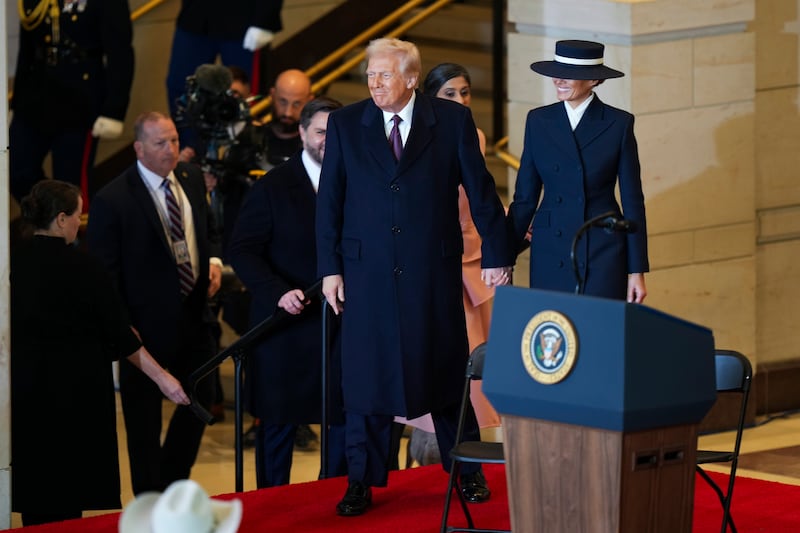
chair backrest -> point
(475, 362)
(734, 372)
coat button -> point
(398, 271)
(395, 229)
(560, 264)
(394, 187)
(559, 199)
(558, 233)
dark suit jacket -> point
(93, 77)
(392, 230)
(229, 20)
(126, 233)
(272, 250)
(578, 174)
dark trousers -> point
(274, 448)
(155, 465)
(33, 519)
(72, 150)
(368, 443)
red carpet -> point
(413, 503)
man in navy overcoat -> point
(389, 250)
(273, 250)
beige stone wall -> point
(690, 81)
(777, 198)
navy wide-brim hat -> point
(577, 60)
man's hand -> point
(293, 302)
(171, 388)
(214, 279)
(333, 289)
(495, 276)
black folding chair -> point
(734, 374)
(470, 451)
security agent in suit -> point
(389, 250)
(129, 231)
(575, 153)
(273, 252)
(71, 87)
(232, 30)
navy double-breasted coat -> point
(392, 230)
(575, 175)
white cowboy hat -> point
(183, 508)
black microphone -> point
(612, 224)
(215, 79)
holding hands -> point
(495, 276)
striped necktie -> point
(177, 235)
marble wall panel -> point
(776, 25)
(661, 77)
(724, 68)
(719, 295)
(697, 167)
(778, 304)
(777, 143)
(627, 18)
(682, 248)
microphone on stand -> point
(611, 223)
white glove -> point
(107, 128)
(256, 38)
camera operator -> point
(229, 148)
(226, 144)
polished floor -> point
(771, 451)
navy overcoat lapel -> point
(375, 142)
(593, 123)
(421, 133)
(555, 124)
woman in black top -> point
(67, 326)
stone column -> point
(5, 387)
(690, 82)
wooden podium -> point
(600, 402)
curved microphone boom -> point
(610, 222)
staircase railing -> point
(501, 152)
(261, 108)
(145, 8)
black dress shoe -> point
(356, 500)
(473, 487)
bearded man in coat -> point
(389, 250)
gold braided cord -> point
(38, 14)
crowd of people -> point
(388, 201)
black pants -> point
(72, 150)
(368, 443)
(33, 519)
(155, 465)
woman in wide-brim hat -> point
(576, 152)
